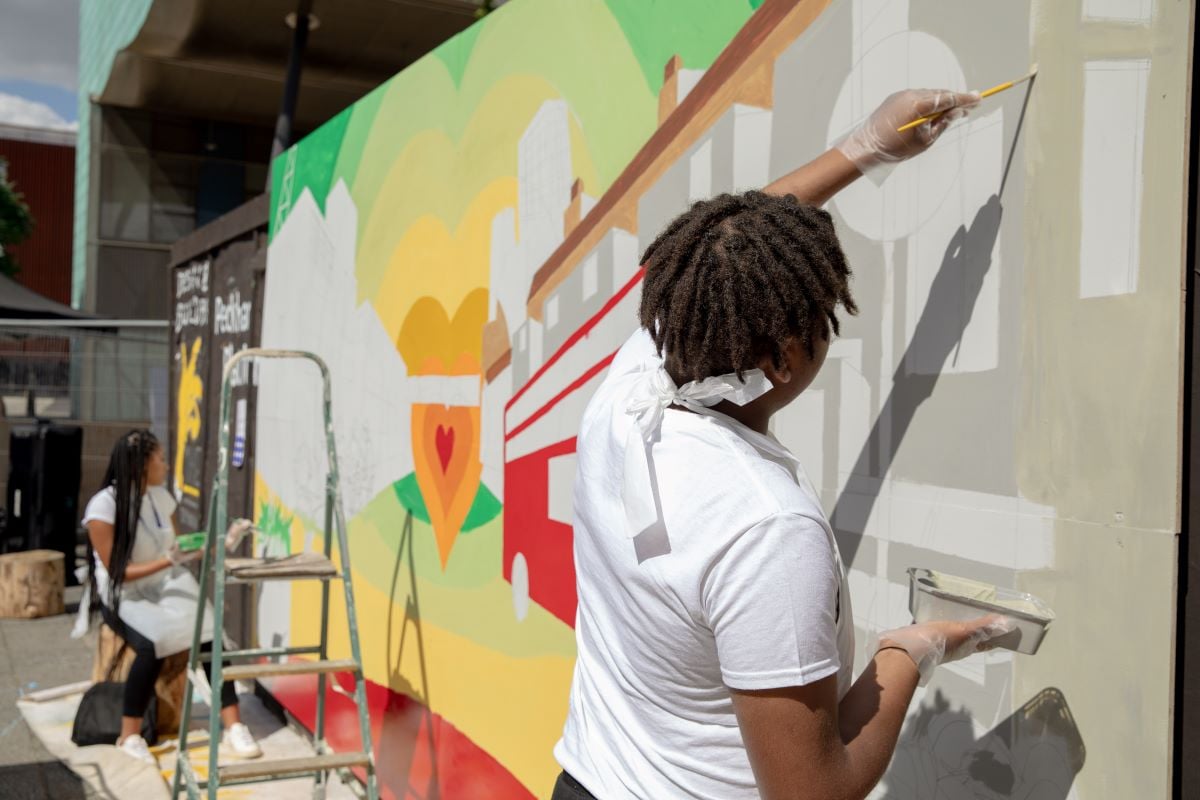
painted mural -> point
(192, 300)
(462, 247)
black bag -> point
(98, 718)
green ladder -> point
(304, 566)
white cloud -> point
(31, 114)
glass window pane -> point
(124, 194)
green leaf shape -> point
(274, 526)
(696, 31)
(484, 508)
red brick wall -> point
(45, 175)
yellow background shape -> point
(189, 419)
(461, 185)
(433, 344)
(511, 707)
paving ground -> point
(37, 654)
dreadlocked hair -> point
(737, 278)
(126, 474)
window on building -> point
(591, 276)
(162, 177)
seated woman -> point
(144, 593)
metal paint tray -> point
(939, 596)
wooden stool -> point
(168, 688)
(31, 584)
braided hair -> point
(126, 474)
(737, 278)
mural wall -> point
(215, 297)
(462, 247)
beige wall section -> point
(1054, 466)
(1099, 431)
(1110, 654)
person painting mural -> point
(715, 634)
(136, 576)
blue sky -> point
(39, 55)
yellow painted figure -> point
(187, 424)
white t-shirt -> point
(745, 590)
(154, 534)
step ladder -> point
(259, 662)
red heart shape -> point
(444, 441)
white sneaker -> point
(134, 745)
(239, 742)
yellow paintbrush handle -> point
(1000, 87)
(916, 122)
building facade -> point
(41, 166)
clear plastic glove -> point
(931, 644)
(179, 556)
(877, 141)
(236, 532)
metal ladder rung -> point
(252, 770)
(245, 672)
(219, 571)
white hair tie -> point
(656, 394)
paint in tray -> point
(939, 596)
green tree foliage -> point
(16, 224)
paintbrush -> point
(1000, 87)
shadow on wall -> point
(938, 332)
(1034, 754)
(406, 723)
(956, 285)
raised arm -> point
(819, 180)
(876, 143)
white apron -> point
(162, 606)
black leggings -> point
(143, 672)
(567, 788)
